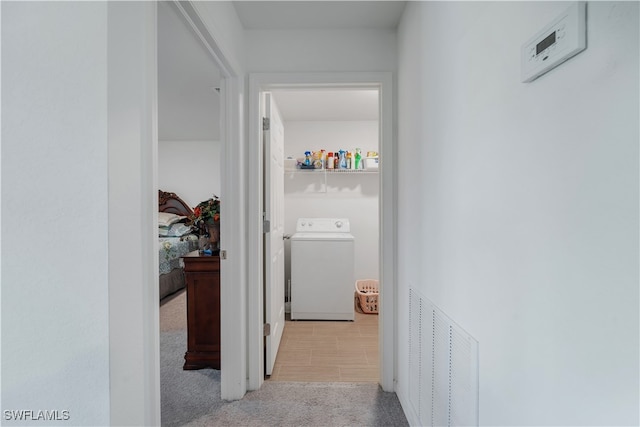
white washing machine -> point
(322, 274)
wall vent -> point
(443, 367)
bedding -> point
(175, 240)
(166, 219)
(172, 248)
(174, 230)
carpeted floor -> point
(192, 398)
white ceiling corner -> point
(287, 15)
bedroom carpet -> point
(192, 398)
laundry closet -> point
(333, 121)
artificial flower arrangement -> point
(207, 212)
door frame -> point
(233, 364)
(383, 81)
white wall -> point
(352, 196)
(191, 169)
(55, 314)
(320, 50)
(188, 105)
(521, 222)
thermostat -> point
(563, 38)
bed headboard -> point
(171, 203)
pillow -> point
(165, 219)
(174, 230)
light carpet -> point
(192, 398)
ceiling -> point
(188, 105)
(327, 105)
(288, 15)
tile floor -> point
(322, 350)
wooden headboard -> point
(171, 203)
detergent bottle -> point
(307, 158)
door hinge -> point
(267, 329)
(266, 123)
(266, 224)
(223, 254)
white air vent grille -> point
(443, 367)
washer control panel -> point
(323, 225)
(560, 40)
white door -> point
(274, 215)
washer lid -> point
(322, 236)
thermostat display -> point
(560, 40)
(551, 39)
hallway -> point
(295, 398)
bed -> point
(175, 240)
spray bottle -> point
(358, 159)
(343, 159)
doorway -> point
(328, 120)
(188, 164)
(260, 83)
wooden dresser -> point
(202, 276)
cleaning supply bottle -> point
(336, 160)
(315, 159)
(349, 160)
(343, 159)
(358, 159)
(330, 161)
(307, 158)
